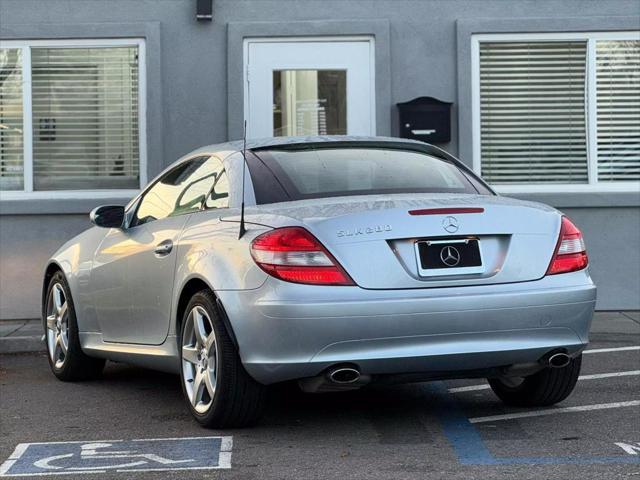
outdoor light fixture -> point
(204, 10)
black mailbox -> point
(427, 119)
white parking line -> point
(13, 458)
(469, 388)
(629, 373)
(613, 349)
(553, 411)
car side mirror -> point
(107, 216)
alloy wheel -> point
(57, 325)
(199, 359)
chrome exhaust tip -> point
(343, 375)
(559, 360)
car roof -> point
(322, 140)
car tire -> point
(238, 400)
(67, 360)
(547, 387)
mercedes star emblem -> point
(450, 224)
(450, 256)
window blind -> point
(11, 124)
(85, 118)
(618, 117)
(532, 112)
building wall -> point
(192, 83)
(612, 236)
(26, 243)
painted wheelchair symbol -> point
(90, 452)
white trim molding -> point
(9, 195)
(593, 185)
(25, 45)
(601, 187)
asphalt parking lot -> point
(455, 429)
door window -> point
(219, 193)
(209, 184)
(309, 102)
(181, 190)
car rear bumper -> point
(286, 331)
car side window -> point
(219, 194)
(194, 193)
(181, 190)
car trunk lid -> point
(374, 238)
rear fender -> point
(209, 250)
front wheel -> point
(547, 387)
(218, 390)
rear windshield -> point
(330, 172)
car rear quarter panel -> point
(209, 250)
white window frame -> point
(590, 105)
(27, 113)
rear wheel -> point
(547, 387)
(218, 390)
(66, 358)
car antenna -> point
(243, 230)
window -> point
(219, 192)
(11, 122)
(618, 109)
(309, 102)
(330, 172)
(71, 115)
(558, 109)
(181, 190)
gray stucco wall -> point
(192, 88)
(26, 243)
(612, 236)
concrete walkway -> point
(18, 336)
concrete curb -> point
(21, 344)
(21, 336)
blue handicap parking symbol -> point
(158, 454)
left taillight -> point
(294, 255)
(570, 254)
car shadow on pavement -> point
(411, 405)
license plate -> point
(449, 257)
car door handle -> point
(163, 248)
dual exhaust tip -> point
(343, 375)
(558, 360)
(336, 378)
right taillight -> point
(570, 254)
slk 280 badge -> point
(364, 230)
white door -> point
(309, 87)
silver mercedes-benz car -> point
(335, 262)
